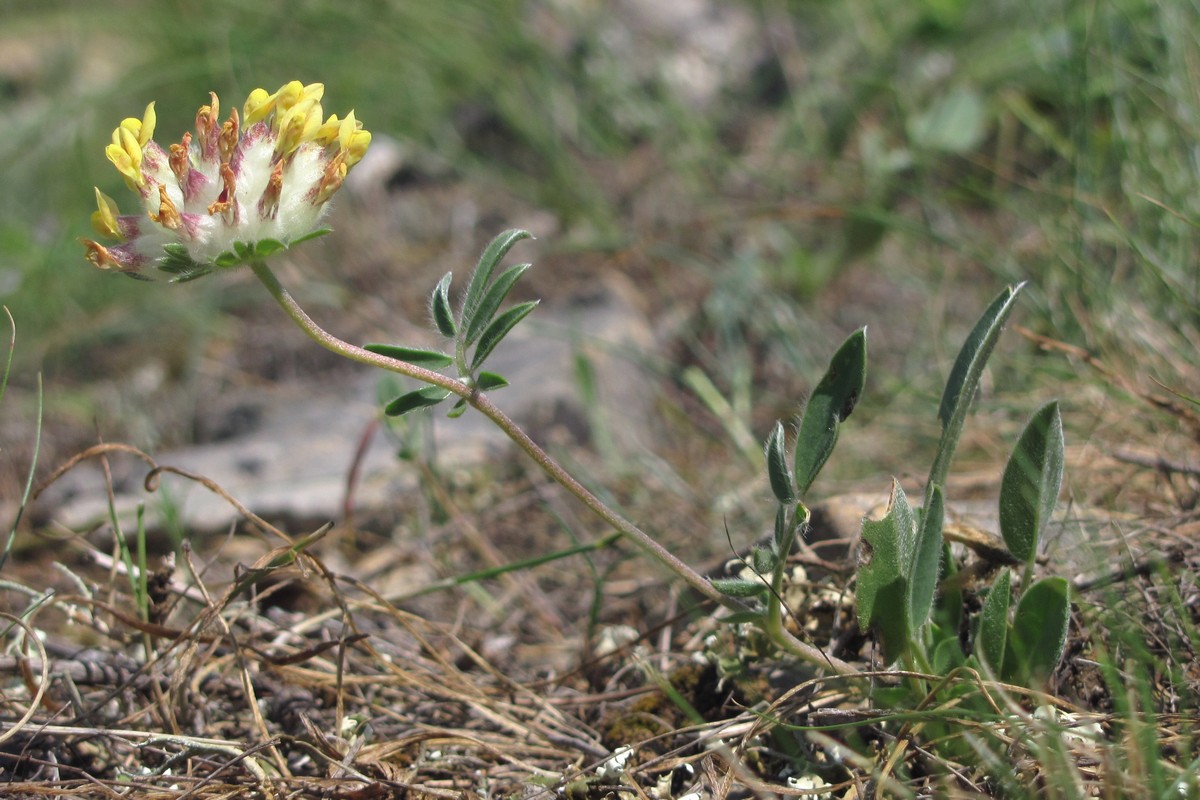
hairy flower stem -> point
(481, 403)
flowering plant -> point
(236, 192)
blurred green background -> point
(937, 148)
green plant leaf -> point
(439, 307)
(487, 381)
(927, 561)
(947, 655)
(316, 233)
(764, 560)
(964, 381)
(992, 636)
(740, 587)
(1039, 632)
(268, 247)
(411, 355)
(458, 409)
(1032, 479)
(883, 577)
(777, 466)
(482, 274)
(492, 300)
(421, 398)
(499, 328)
(226, 259)
(831, 403)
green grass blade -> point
(37, 446)
(12, 348)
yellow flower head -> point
(236, 191)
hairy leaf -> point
(1032, 479)
(777, 466)
(499, 328)
(1039, 632)
(439, 307)
(831, 403)
(482, 274)
(883, 576)
(992, 636)
(927, 561)
(492, 300)
(421, 398)
(411, 355)
(964, 381)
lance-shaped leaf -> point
(421, 398)
(831, 403)
(1039, 632)
(964, 381)
(430, 359)
(927, 561)
(485, 268)
(492, 300)
(499, 328)
(439, 307)
(487, 381)
(740, 587)
(777, 466)
(1032, 479)
(884, 589)
(992, 636)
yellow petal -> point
(124, 162)
(104, 218)
(258, 105)
(360, 140)
(149, 120)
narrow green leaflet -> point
(492, 300)
(927, 561)
(740, 587)
(883, 577)
(964, 381)
(431, 359)
(831, 403)
(499, 328)
(316, 233)
(486, 381)
(482, 275)
(777, 466)
(439, 307)
(1032, 479)
(421, 398)
(1039, 632)
(992, 636)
